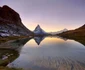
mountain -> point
(11, 24)
(58, 32)
(39, 31)
(79, 32)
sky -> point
(51, 15)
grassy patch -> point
(7, 68)
(5, 39)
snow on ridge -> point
(58, 32)
(39, 30)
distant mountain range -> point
(58, 32)
(79, 32)
(39, 31)
(11, 24)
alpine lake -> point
(43, 53)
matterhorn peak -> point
(39, 31)
(38, 27)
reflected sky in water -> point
(51, 54)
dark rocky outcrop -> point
(11, 24)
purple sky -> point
(51, 15)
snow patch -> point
(39, 31)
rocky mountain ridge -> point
(76, 33)
(39, 31)
(11, 24)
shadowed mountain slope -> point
(11, 24)
(79, 32)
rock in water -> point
(39, 31)
(11, 24)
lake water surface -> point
(49, 53)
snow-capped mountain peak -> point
(58, 32)
(39, 31)
(38, 27)
(65, 29)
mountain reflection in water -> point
(50, 53)
(39, 39)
